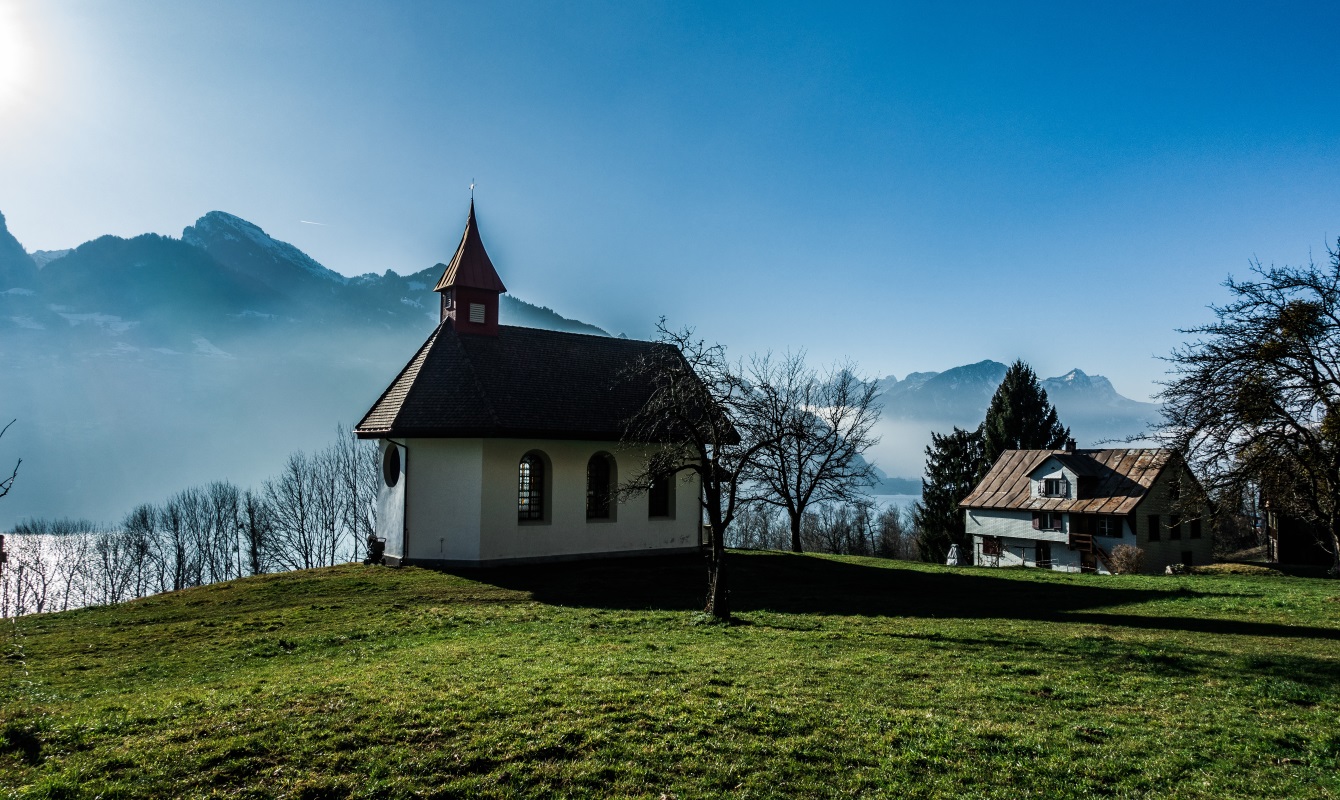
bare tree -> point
(356, 462)
(895, 535)
(141, 530)
(33, 568)
(758, 526)
(328, 504)
(256, 532)
(112, 562)
(820, 426)
(841, 528)
(8, 483)
(293, 514)
(70, 550)
(702, 416)
(49, 562)
(219, 545)
(177, 550)
(1256, 398)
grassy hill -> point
(844, 677)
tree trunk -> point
(1334, 572)
(718, 594)
(796, 547)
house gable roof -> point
(1124, 476)
(470, 267)
(1082, 465)
(523, 383)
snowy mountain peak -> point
(43, 257)
(220, 233)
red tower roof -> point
(471, 267)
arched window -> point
(599, 486)
(530, 488)
(660, 498)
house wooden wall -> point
(1165, 551)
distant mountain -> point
(138, 366)
(936, 401)
(44, 257)
(248, 250)
(1083, 401)
(957, 392)
(17, 268)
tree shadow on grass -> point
(799, 584)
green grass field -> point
(843, 677)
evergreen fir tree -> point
(1019, 418)
(951, 472)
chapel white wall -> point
(458, 500)
(442, 504)
(391, 503)
(566, 531)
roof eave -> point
(488, 433)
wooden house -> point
(1067, 509)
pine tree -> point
(951, 472)
(1019, 418)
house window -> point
(1154, 527)
(1053, 487)
(530, 488)
(1047, 520)
(1194, 525)
(1174, 527)
(990, 545)
(658, 497)
(599, 486)
(1109, 526)
(477, 313)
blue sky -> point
(911, 186)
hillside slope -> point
(844, 677)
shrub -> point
(1127, 559)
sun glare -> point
(16, 58)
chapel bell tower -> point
(470, 286)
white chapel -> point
(501, 444)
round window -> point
(391, 466)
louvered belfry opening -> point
(469, 285)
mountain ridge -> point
(143, 365)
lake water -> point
(904, 501)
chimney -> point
(1070, 445)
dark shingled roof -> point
(1124, 477)
(471, 266)
(522, 383)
